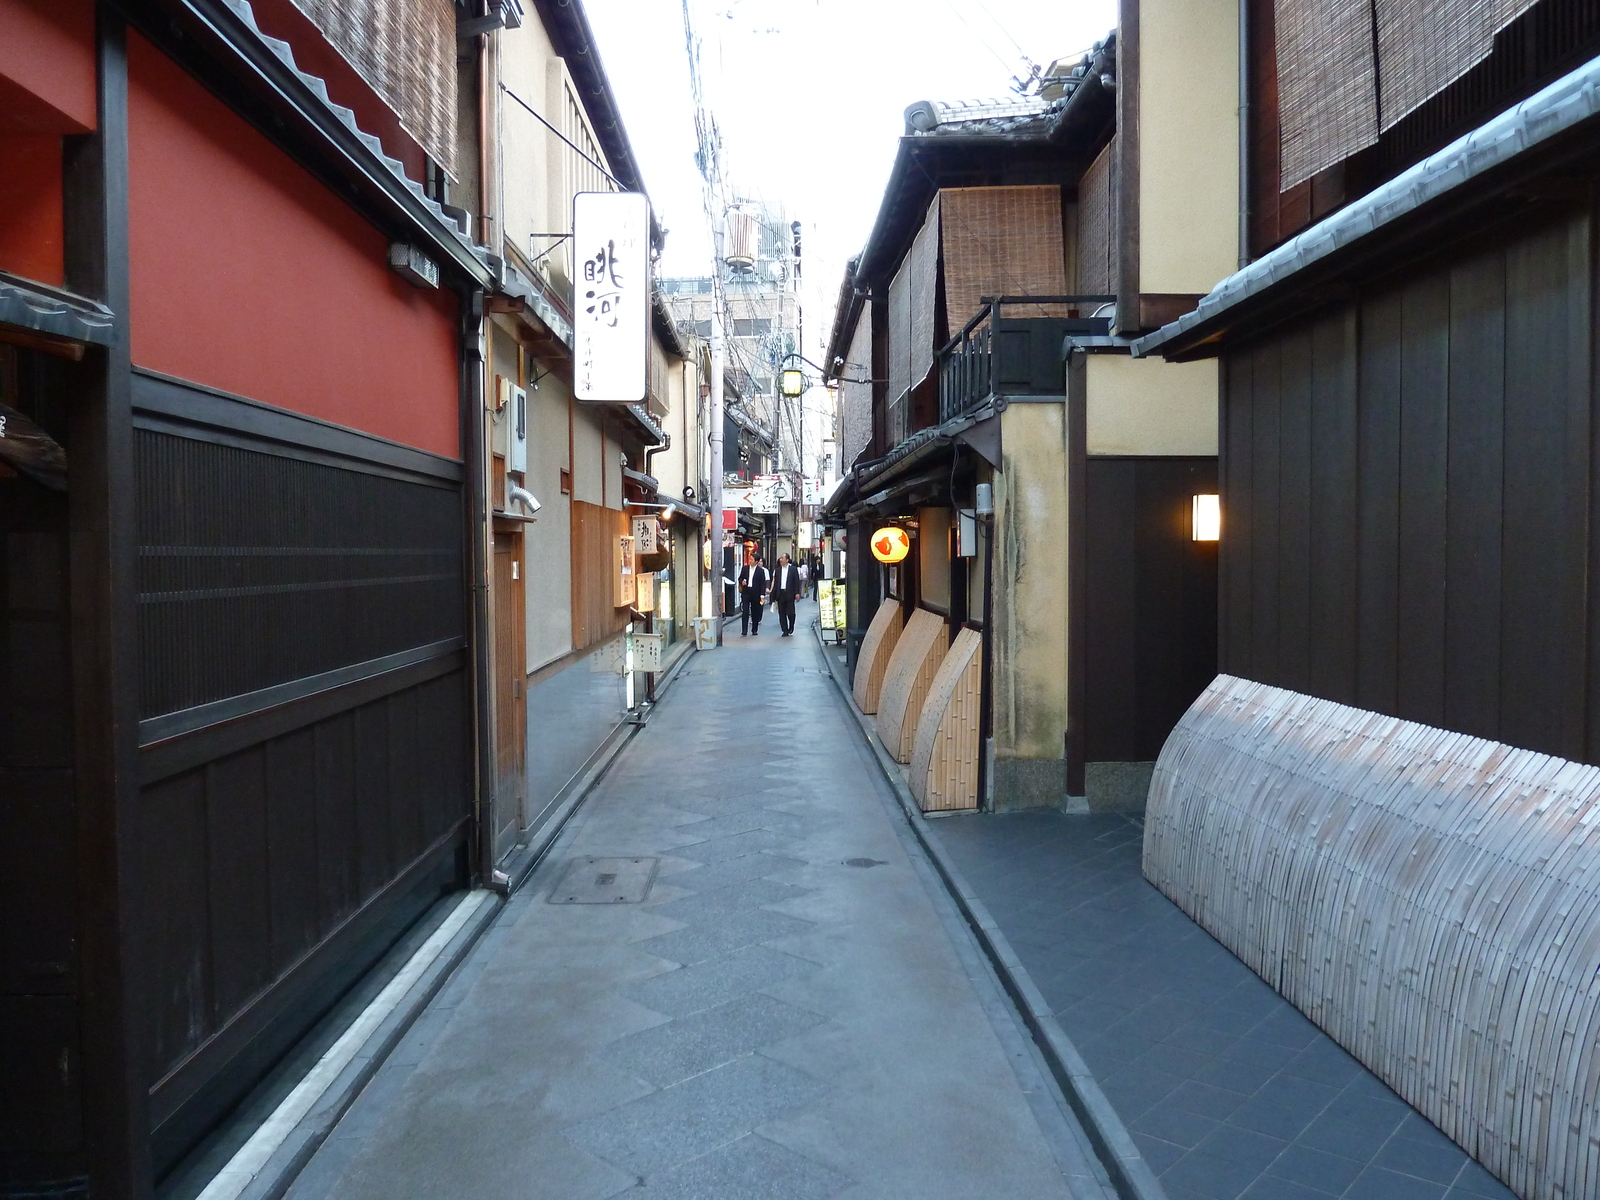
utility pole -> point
(717, 568)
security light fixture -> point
(793, 382)
(1205, 524)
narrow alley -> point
(779, 1001)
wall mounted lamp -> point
(1205, 523)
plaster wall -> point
(1188, 144)
(529, 171)
(548, 540)
(1030, 595)
(1148, 407)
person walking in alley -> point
(754, 583)
(786, 588)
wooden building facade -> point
(236, 759)
(1408, 615)
(983, 338)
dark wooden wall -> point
(41, 1058)
(1407, 485)
(1150, 642)
(305, 777)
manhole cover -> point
(864, 862)
(605, 881)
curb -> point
(277, 1173)
(1130, 1174)
(518, 867)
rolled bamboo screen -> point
(1430, 899)
(911, 670)
(944, 755)
(873, 660)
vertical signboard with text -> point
(611, 296)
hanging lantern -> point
(890, 544)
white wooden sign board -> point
(611, 296)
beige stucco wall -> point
(1148, 406)
(1188, 144)
(1030, 593)
(548, 541)
(537, 178)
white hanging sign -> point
(611, 296)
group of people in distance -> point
(757, 584)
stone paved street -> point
(794, 1010)
(1227, 1089)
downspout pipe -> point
(475, 456)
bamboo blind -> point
(1097, 239)
(596, 534)
(1327, 84)
(923, 264)
(1430, 899)
(1426, 45)
(855, 393)
(873, 660)
(406, 51)
(1000, 241)
(899, 334)
(911, 669)
(944, 754)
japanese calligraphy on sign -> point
(611, 296)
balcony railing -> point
(1012, 347)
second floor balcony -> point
(1012, 347)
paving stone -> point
(1136, 983)
(717, 980)
(864, 1051)
(749, 893)
(696, 1116)
(1315, 1168)
(704, 878)
(729, 931)
(717, 849)
(751, 1168)
(708, 1038)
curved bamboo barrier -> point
(873, 659)
(944, 753)
(1430, 899)
(912, 667)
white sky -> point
(810, 97)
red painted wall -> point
(248, 275)
(47, 66)
(30, 207)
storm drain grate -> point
(605, 881)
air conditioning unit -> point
(517, 433)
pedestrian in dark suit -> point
(785, 591)
(754, 583)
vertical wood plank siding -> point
(1407, 482)
(285, 842)
(1427, 897)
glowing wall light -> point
(1206, 520)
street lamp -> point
(792, 383)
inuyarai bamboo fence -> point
(1431, 900)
